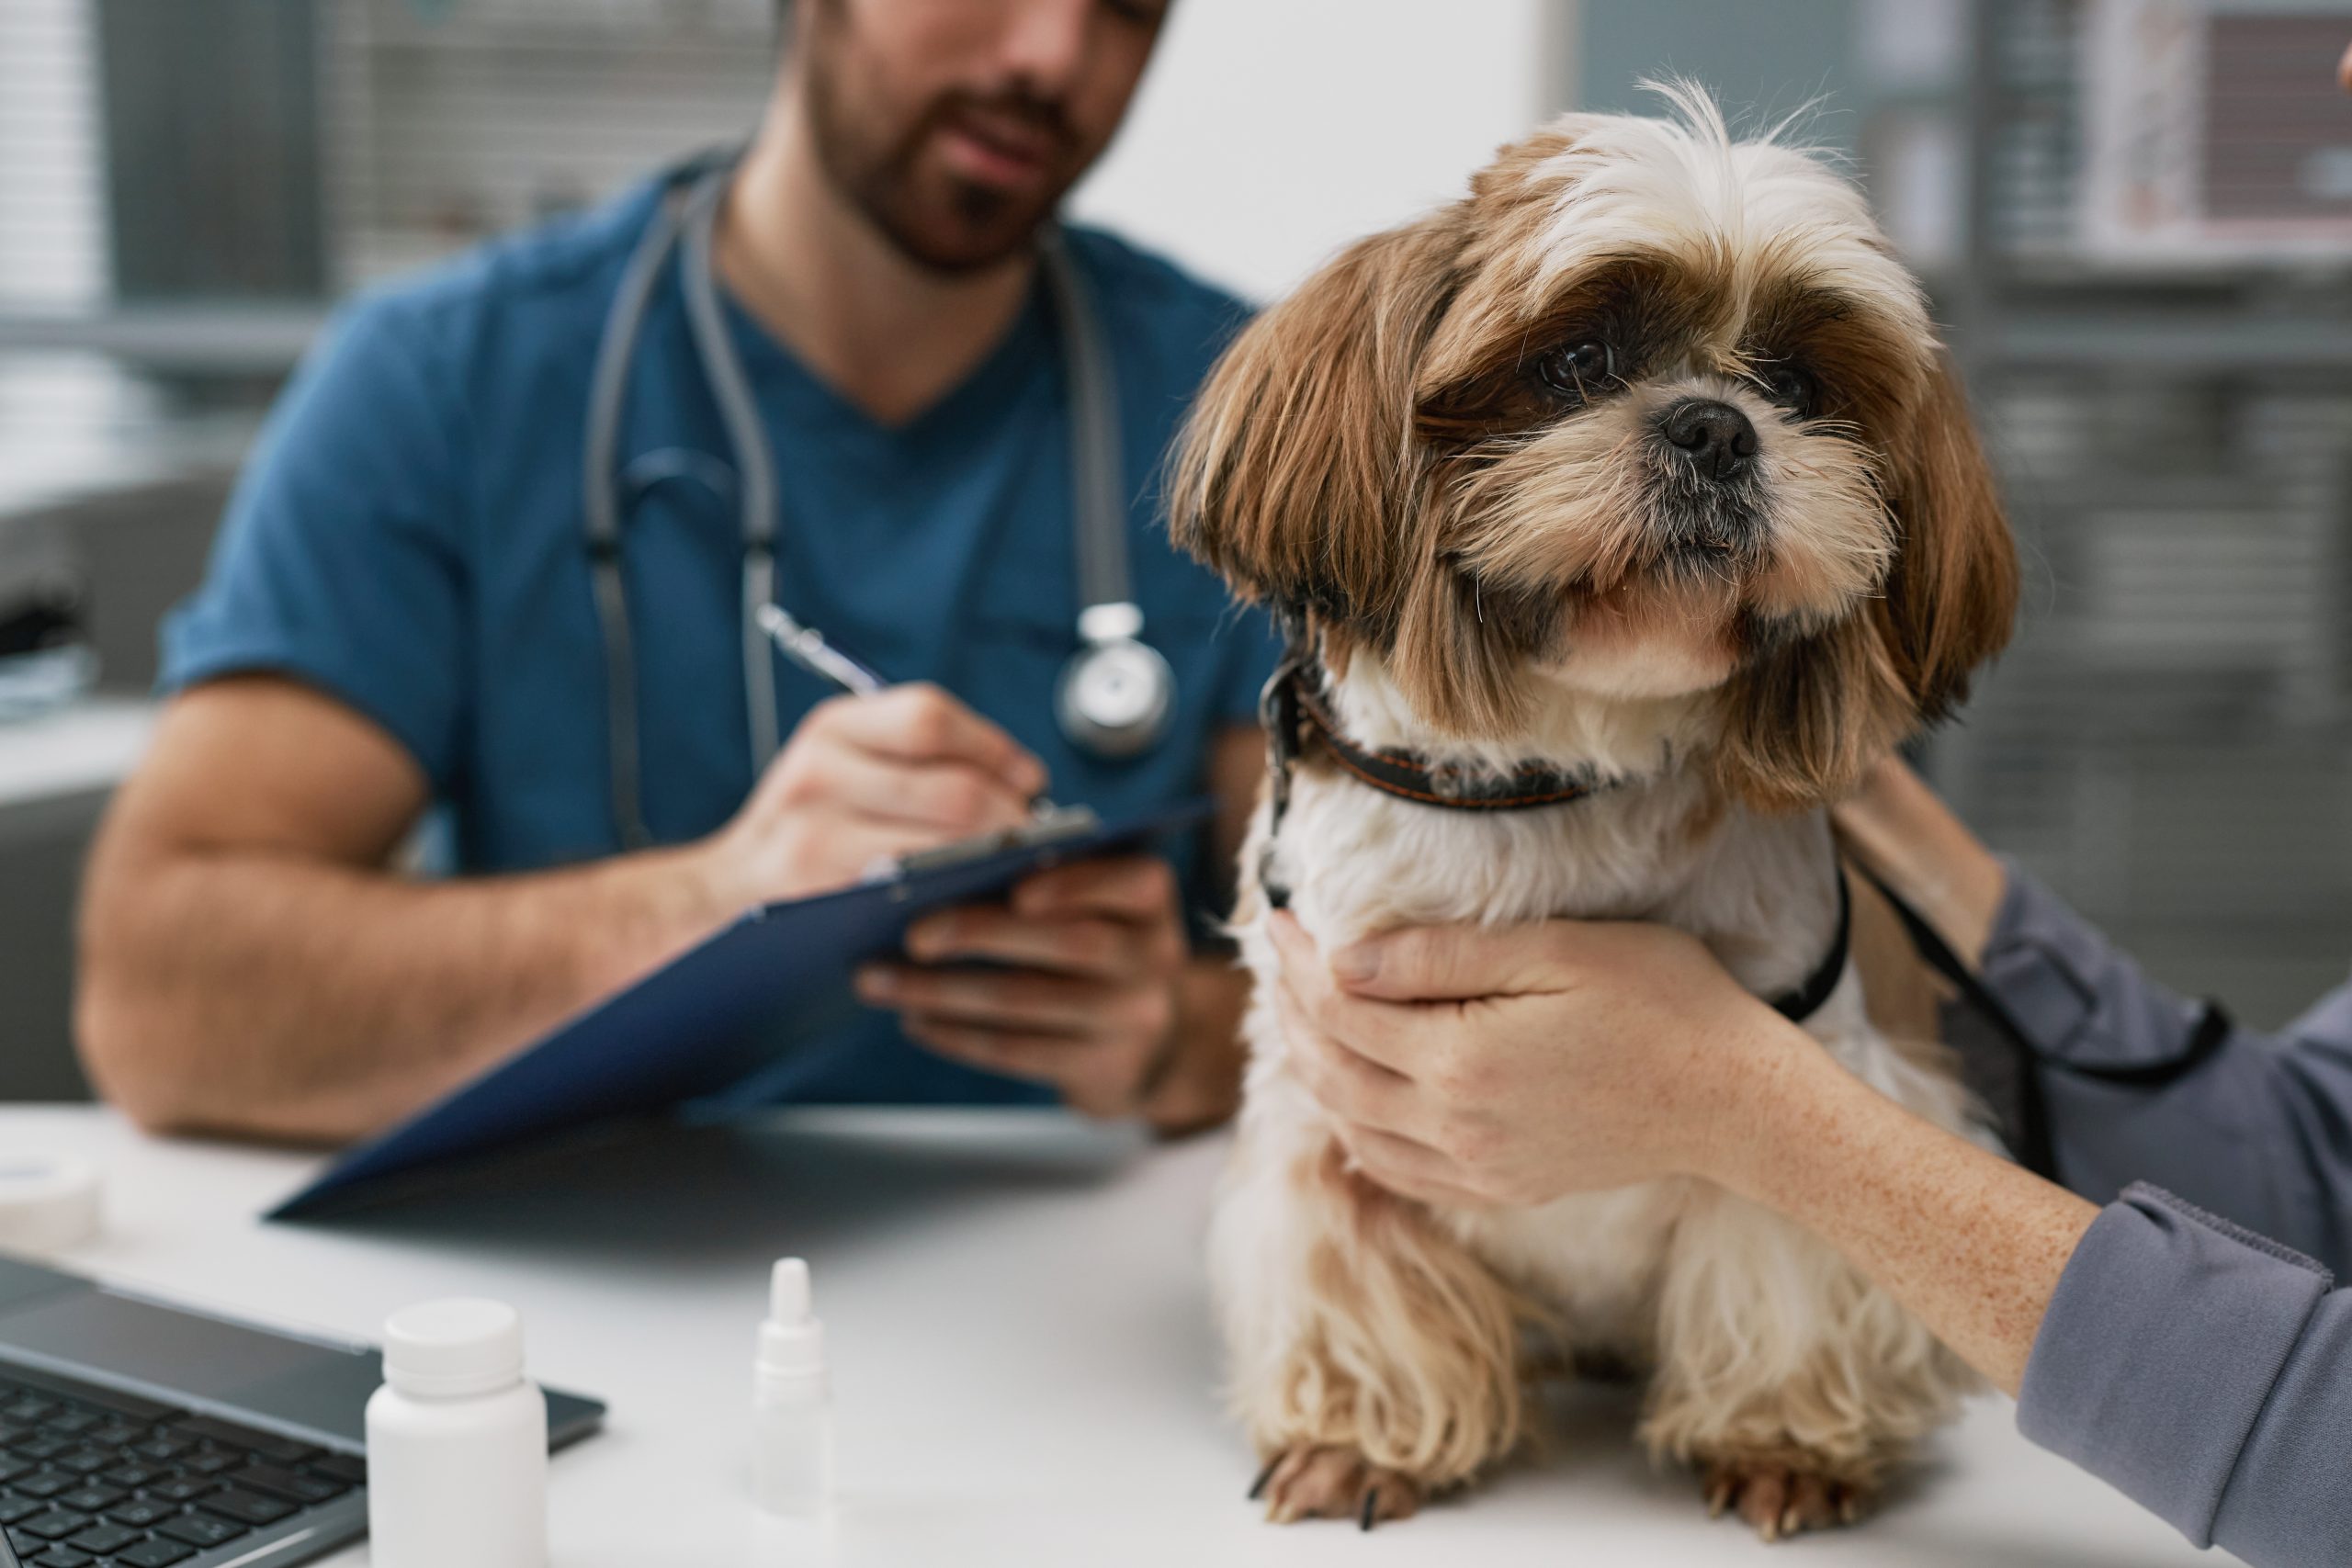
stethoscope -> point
(1114, 696)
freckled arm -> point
(1971, 1243)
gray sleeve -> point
(2207, 1374)
(2259, 1127)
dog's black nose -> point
(1716, 436)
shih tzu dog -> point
(1623, 511)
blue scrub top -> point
(407, 538)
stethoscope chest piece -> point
(1117, 692)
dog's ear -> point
(1808, 717)
(1803, 721)
(1297, 476)
(1460, 649)
(1952, 594)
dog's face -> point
(1650, 412)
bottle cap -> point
(451, 1349)
(791, 1340)
(47, 1203)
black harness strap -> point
(2028, 1112)
(1278, 716)
(1293, 715)
(2213, 1029)
(1807, 999)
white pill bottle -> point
(456, 1443)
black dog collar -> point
(1409, 777)
(1292, 714)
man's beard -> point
(934, 218)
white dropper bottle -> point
(792, 1400)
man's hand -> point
(1472, 1067)
(863, 779)
(1088, 1002)
(1094, 956)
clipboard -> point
(717, 1012)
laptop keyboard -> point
(94, 1479)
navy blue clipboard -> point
(708, 1018)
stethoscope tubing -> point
(684, 222)
(600, 505)
(731, 390)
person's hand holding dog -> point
(1510, 1067)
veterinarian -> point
(2202, 1364)
(496, 558)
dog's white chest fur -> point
(1759, 891)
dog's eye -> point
(1579, 371)
(1792, 387)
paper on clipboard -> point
(1052, 825)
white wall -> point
(1269, 132)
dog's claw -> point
(1257, 1487)
(1332, 1482)
(1780, 1500)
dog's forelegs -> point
(1372, 1357)
(1788, 1378)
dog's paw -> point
(1782, 1495)
(1329, 1483)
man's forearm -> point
(286, 997)
(1970, 1243)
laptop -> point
(136, 1434)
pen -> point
(807, 647)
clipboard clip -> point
(1052, 825)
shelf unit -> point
(2169, 739)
